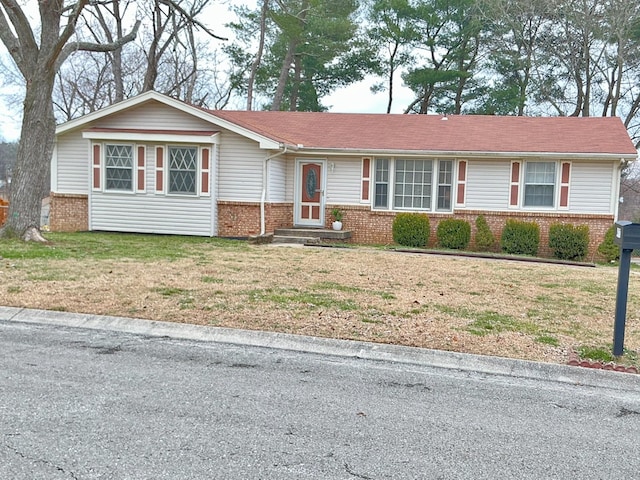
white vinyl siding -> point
(240, 169)
(152, 214)
(591, 187)
(488, 185)
(73, 161)
(277, 180)
(154, 116)
(343, 177)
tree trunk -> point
(256, 61)
(29, 183)
(284, 76)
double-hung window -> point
(539, 184)
(119, 167)
(183, 168)
(413, 184)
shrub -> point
(411, 229)
(485, 240)
(454, 233)
(520, 238)
(569, 242)
(609, 250)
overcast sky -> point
(356, 98)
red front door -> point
(310, 208)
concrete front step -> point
(295, 239)
(319, 233)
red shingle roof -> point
(431, 133)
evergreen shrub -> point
(453, 233)
(520, 238)
(569, 242)
(609, 250)
(485, 239)
(411, 229)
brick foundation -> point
(69, 212)
(242, 219)
(375, 227)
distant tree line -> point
(496, 57)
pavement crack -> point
(353, 473)
(623, 412)
(45, 462)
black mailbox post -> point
(628, 237)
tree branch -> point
(65, 35)
(25, 41)
(191, 18)
(97, 47)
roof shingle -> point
(434, 133)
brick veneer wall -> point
(375, 227)
(242, 219)
(69, 212)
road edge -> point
(326, 346)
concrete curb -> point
(325, 346)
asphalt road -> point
(90, 404)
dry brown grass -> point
(512, 309)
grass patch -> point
(598, 354)
(487, 322)
(548, 340)
(209, 279)
(288, 297)
(109, 246)
(170, 291)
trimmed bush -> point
(520, 238)
(453, 233)
(485, 239)
(411, 229)
(569, 242)
(609, 250)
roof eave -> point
(466, 153)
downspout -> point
(263, 197)
(618, 184)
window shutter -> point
(564, 184)
(96, 166)
(140, 167)
(515, 184)
(462, 182)
(366, 180)
(204, 172)
(159, 169)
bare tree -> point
(38, 62)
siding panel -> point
(154, 115)
(488, 185)
(591, 186)
(277, 180)
(151, 214)
(73, 159)
(343, 183)
(240, 169)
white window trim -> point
(134, 170)
(435, 173)
(556, 186)
(198, 173)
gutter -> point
(263, 197)
(470, 154)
